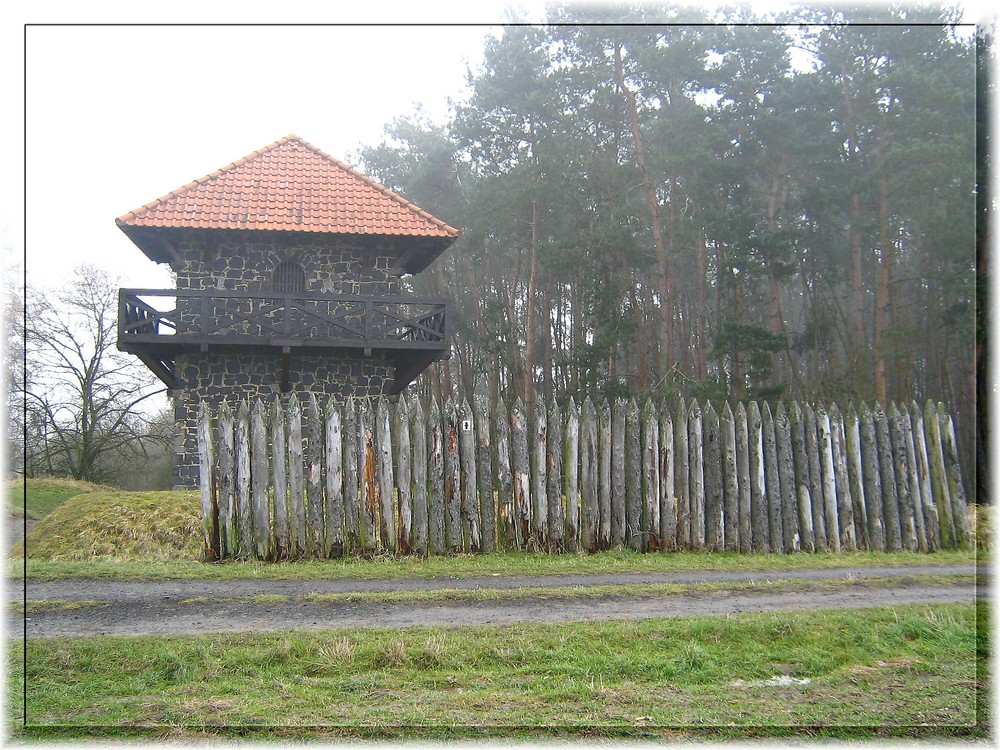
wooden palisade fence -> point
(370, 477)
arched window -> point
(289, 278)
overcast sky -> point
(117, 116)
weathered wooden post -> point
(890, 500)
(815, 480)
(553, 474)
(244, 511)
(352, 520)
(604, 455)
(436, 527)
(521, 470)
(279, 480)
(452, 480)
(404, 476)
(383, 475)
(730, 483)
(484, 476)
(334, 480)
(956, 490)
(801, 474)
(852, 436)
(634, 536)
(471, 522)
(418, 426)
(741, 445)
(507, 527)
(931, 519)
(314, 478)
(682, 475)
(650, 529)
(829, 479)
(791, 538)
(295, 478)
(571, 476)
(913, 478)
(539, 496)
(696, 475)
(713, 480)
(206, 486)
(897, 440)
(872, 481)
(228, 541)
(773, 482)
(259, 477)
(668, 499)
(845, 506)
(589, 471)
(759, 523)
(618, 474)
(369, 478)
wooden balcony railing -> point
(175, 320)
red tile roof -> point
(289, 186)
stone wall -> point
(246, 263)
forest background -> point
(715, 212)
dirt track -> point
(158, 608)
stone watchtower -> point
(289, 267)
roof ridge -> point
(371, 183)
(208, 178)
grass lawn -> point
(896, 671)
(44, 495)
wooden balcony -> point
(158, 324)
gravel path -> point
(158, 608)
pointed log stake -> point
(295, 477)
(471, 519)
(845, 507)
(507, 531)
(730, 482)
(404, 479)
(759, 524)
(452, 480)
(696, 468)
(367, 469)
(244, 511)
(744, 504)
(682, 473)
(956, 487)
(521, 475)
(916, 501)
(263, 533)
(791, 536)
(553, 474)
(604, 457)
(618, 474)
(279, 481)
(206, 486)
(852, 436)
(890, 497)
(773, 481)
(633, 478)
(436, 504)
(484, 476)
(932, 522)
(668, 498)
(226, 473)
(571, 476)
(713, 480)
(334, 480)
(828, 479)
(418, 431)
(901, 461)
(589, 472)
(314, 478)
(650, 528)
(539, 497)
(384, 474)
(352, 520)
(815, 479)
(872, 481)
(804, 519)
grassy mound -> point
(39, 497)
(119, 525)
